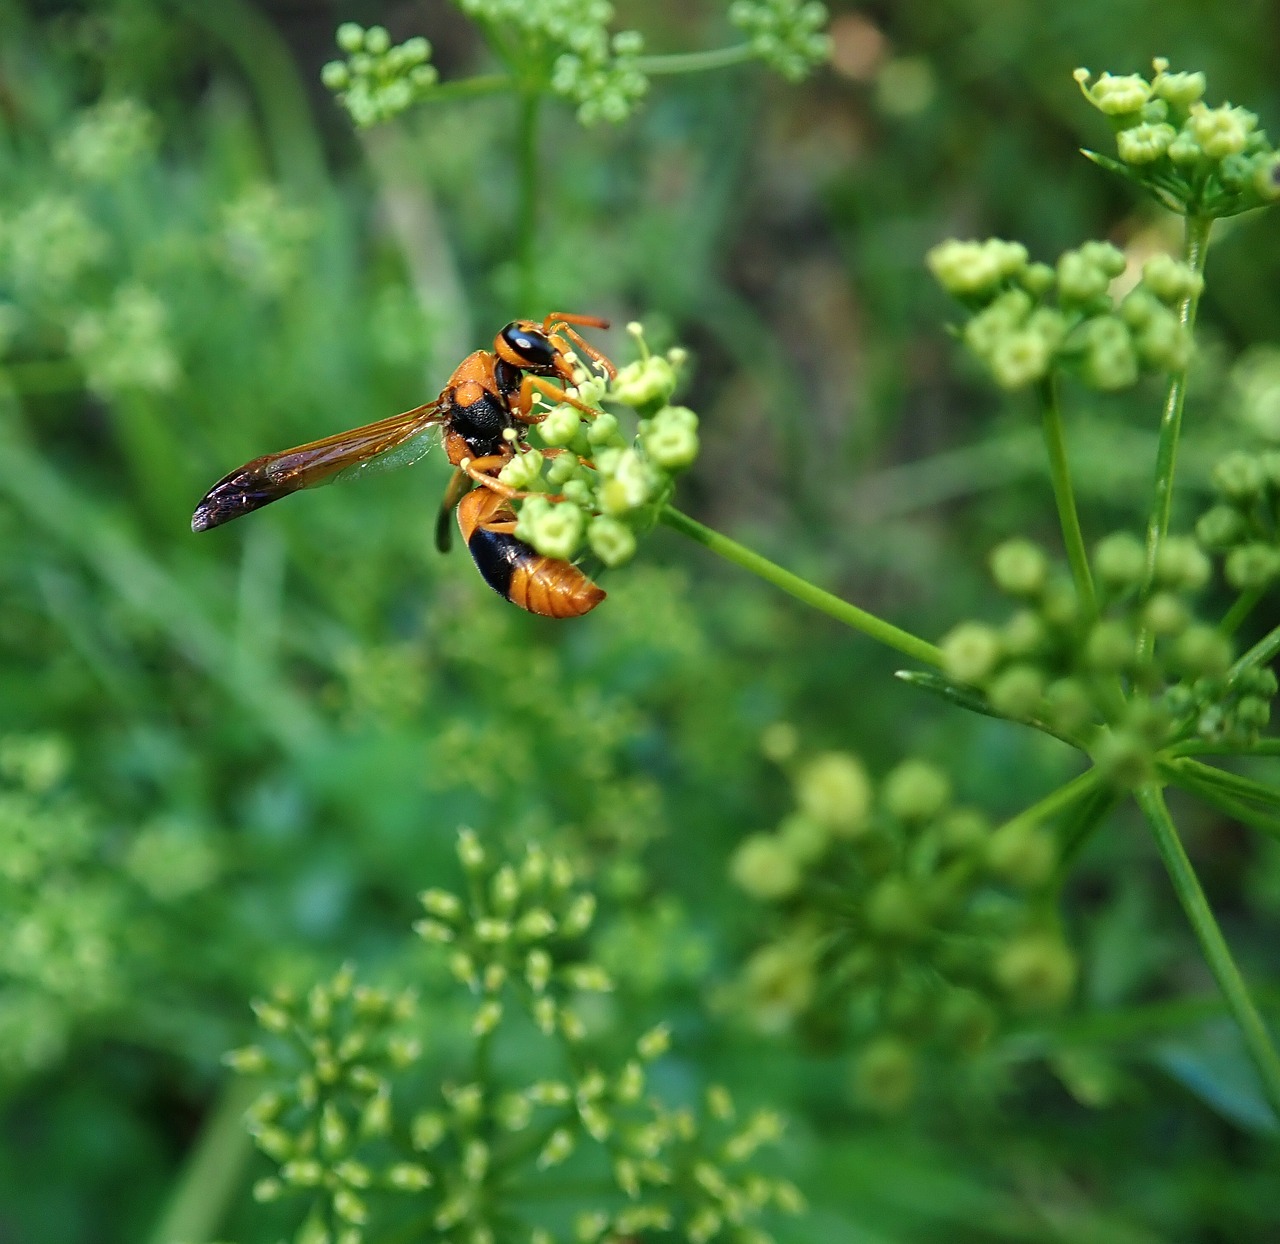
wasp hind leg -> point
(459, 485)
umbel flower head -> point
(1196, 160)
(1029, 319)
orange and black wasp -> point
(484, 413)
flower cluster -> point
(109, 140)
(1194, 159)
(893, 915)
(341, 1126)
(1143, 674)
(788, 35)
(603, 77)
(378, 81)
(327, 1120)
(1029, 318)
(262, 239)
(1242, 525)
(603, 490)
(127, 346)
(516, 935)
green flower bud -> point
(1120, 560)
(1169, 279)
(524, 471)
(832, 789)
(1252, 565)
(1220, 132)
(779, 742)
(1060, 607)
(970, 269)
(1165, 614)
(966, 1021)
(654, 1043)
(1203, 651)
(1145, 143)
(1023, 634)
(1239, 477)
(579, 915)
(986, 330)
(603, 432)
(427, 1130)
(970, 651)
(350, 37)
(630, 483)
(1163, 343)
(1139, 308)
(1049, 325)
(1079, 279)
(377, 40)
(963, 831)
(408, 1177)
(251, 1060)
(1180, 89)
(1110, 361)
(1252, 713)
(1038, 278)
(1016, 691)
(764, 868)
(559, 426)
(441, 903)
(335, 75)
(1221, 527)
(1111, 646)
(1184, 150)
(916, 791)
(1022, 854)
(671, 440)
(612, 542)
(893, 908)
(558, 532)
(1019, 359)
(884, 1076)
(558, 1147)
(1068, 704)
(1109, 259)
(646, 383)
(1181, 563)
(1019, 567)
(1266, 178)
(804, 839)
(1037, 971)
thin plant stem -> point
(1064, 496)
(1079, 833)
(1259, 654)
(211, 1175)
(1202, 747)
(1216, 796)
(1213, 945)
(696, 62)
(1194, 249)
(1240, 610)
(1233, 783)
(859, 619)
(470, 88)
(1056, 800)
(527, 204)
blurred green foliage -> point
(230, 763)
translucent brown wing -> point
(382, 446)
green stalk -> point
(527, 204)
(1213, 945)
(470, 88)
(696, 62)
(1064, 496)
(1201, 747)
(1194, 249)
(1088, 819)
(212, 1172)
(1216, 796)
(859, 619)
(1259, 654)
(1240, 610)
(1055, 801)
(1232, 783)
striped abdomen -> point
(542, 585)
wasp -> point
(484, 413)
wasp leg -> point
(532, 385)
(458, 487)
(588, 349)
(569, 317)
(485, 473)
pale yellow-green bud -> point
(537, 970)
(645, 383)
(968, 269)
(441, 903)
(1115, 95)
(630, 483)
(970, 652)
(1119, 560)
(614, 543)
(1266, 179)
(486, 1018)
(1145, 143)
(524, 471)
(1169, 279)
(558, 1147)
(558, 532)
(603, 431)
(1080, 279)
(916, 791)
(833, 790)
(804, 838)
(1019, 359)
(1221, 132)
(1037, 971)
(764, 868)
(470, 852)
(558, 427)
(1017, 691)
(427, 1130)
(1019, 567)
(350, 37)
(408, 1177)
(1023, 854)
(671, 439)
(654, 1043)
(1179, 89)
(577, 919)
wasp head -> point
(527, 345)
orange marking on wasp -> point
(483, 412)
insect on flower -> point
(483, 413)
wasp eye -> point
(529, 346)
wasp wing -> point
(383, 446)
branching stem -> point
(859, 619)
(696, 62)
(1195, 246)
(1213, 945)
(1064, 496)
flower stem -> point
(1194, 249)
(695, 62)
(1214, 947)
(1065, 498)
(1240, 610)
(527, 206)
(470, 88)
(212, 1172)
(859, 619)
(1259, 654)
